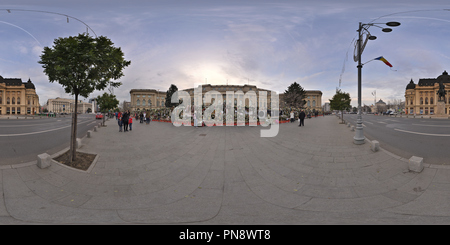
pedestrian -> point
(301, 116)
(125, 117)
(130, 122)
(141, 118)
(195, 119)
(147, 118)
(292, 116)
(119, 121)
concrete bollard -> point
(375, 146)
(44, 160)
(95, 128)
(78, 143)
(415, 164)
(348, 125)
(352, 128)
(89, 133)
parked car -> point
(98, 116)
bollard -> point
(375, 146)
(95, 128)
(352, 128)
(78, 143)
(89, 132)
(415, 164)
(44, 160)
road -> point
(23, 139)
(428, 138)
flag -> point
(384, 60)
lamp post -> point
(359, 138)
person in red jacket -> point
(130, 122)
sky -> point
(266, 43)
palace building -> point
(422, 98)
(17, 97)
(62, 105)
(145, 99)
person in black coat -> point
(301, 116)
(125, 117)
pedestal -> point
(440, 109)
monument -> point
(440, 106)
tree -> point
(341, 102)
(106, 102)
(172, 89)
(294, 96)
(82, 64)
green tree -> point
(341, 102)
(172, 89)
(294, 96)
(106, 102)
(82, 64)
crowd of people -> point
(125, 118)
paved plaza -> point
(162, 174)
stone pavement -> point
(162, 174)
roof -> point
(16, 82)
(444, 77)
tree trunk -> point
(73, 136)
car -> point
(98, 116)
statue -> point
(441, 92)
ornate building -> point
(144, 99)
(17, 97)
(421, 98)
(61, 105)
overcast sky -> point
(267, 43)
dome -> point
(411, 85)
(29, 84)
(445, 78)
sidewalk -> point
(162, 174)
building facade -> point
(422, 98)
(144, 99)
(17, 97)
(62, 105)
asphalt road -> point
(22, 140)
(428, 138)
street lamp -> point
(359, 138)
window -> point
(421, 101)
(426, 100)
(13, 101)
(18, 100)
(7, 101)
(138, 102)
(143, 102)
(431, 101)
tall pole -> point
(359, 136)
